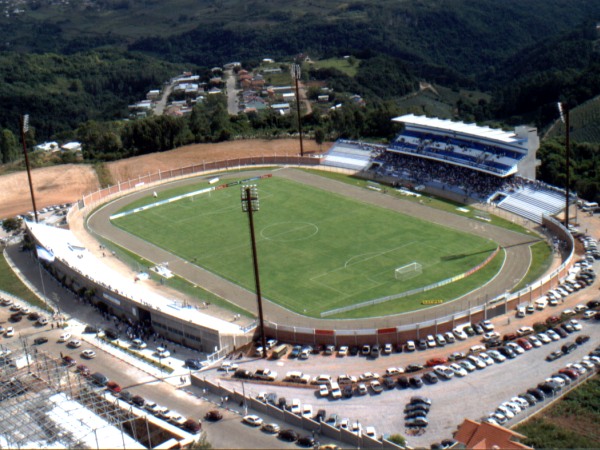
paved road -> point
(232, 92)
(228, 433)
(516, 245)
(473, 396)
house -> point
(153, 94)
(72, 146)
(268, 61)
(283, 108)
(323, 98)
(143, 105)
(288, 97)
(232, 65)
(48, 147)
(475, 435)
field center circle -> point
(289, 231)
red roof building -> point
(474, 435)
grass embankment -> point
(541, 260)
(140, 264)
(12, 284)
(572, 422)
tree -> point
(9, 146)
(12, 224)
(319, 136)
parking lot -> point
(473, 396)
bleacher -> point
(533, 202)
(351, 155)
(486, 158)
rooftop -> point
(494, 134)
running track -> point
(516, 245)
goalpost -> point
(408, 271)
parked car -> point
(272, 428)
(252, 420)
(288, 435)
(213, 415)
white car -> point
(523, 404)
(387, 348)
(575, 324)
(505, 411)
(543, 337)
(370, 431)
(361, 389)
(88, 353)
(516, 347)
(307, 411)
(486, 359)
(458, 370)
(74, 343)
(64, 337)
(138, 343)
(535, 341)
(491, 335)
(253, 420)
(580, 308)
(524, 331)
(394, 371)
(369, 376)
(497, 356)
(467, 365)
(343, 350)
(10, 332)
(295, 406)
(177, 419)
(487, 325)
(431, 341)
(356, 428)
(321, 379)
(410, 346)
(443, 372)
(323, 391)
(228, 366)
(345, 424)
(476, 362)
(460, 334)
(162, 352)
(589, 314)
(553, 335)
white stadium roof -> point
(494, 134)
(65, 247)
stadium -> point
(345, 260)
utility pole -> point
(564, 116)
(24, 125)
(296, 76)
(250, 204)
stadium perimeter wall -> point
(395, 335)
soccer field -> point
(317, 250)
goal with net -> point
(408, 271)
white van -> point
(589, 206)
(541, 303)
(521, 311)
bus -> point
(279, 351)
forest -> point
(75, 68)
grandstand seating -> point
(532, 203)
(351, 155)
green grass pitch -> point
(317, 250)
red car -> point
(552, 319)
(193, 426)
(525, 344)
(83, 370)
(572, 374)
(113, 386)
(68, 361)
(436, 362)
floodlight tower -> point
(24, 129)
(250, 204)
(564, 116)
(296, 77)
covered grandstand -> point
(481, 163)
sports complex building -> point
(488, 170)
